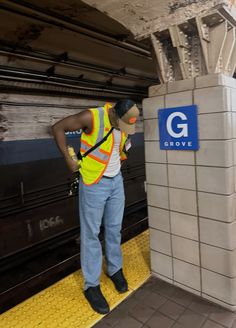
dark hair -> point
(122, 106)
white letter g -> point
(184, 126)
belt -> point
(104, 176)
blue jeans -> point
(100, 203)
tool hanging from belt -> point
(74, 184)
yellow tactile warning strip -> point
(63, 304)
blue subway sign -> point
(178, 128)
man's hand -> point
(73, 165)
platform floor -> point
(157, 304)
(150, 302)
(63, 304)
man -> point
(101, 190)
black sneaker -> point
(97, 300)
(119, 281)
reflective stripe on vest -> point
(93, 165)
(97, 153)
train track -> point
(28, 272)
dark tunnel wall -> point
(55, 62)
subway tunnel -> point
(59, 59)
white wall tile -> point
(215, 153)
(216, 180)
(217, 207)
(234, 151)
(157, 90)
(233, 99)
(213, 99)
(218, 234)
(221, 303)
(184, 225)
(182, 176)
(234, 168)
(162, 277)
(158, 218)
(151, 106)
(153, 153)
(158, 196)
(185, 249)
(215, 126)
(187, 274)
(182, 85)
(234, 125)
(179, 99)
(161, 263)
(188, 289)
(160, 241)
(174, 208)
(151, 130)
(180, 157)
(218, 260)
(156, 174)
(226, 287)
(212, 80)
(183, 201)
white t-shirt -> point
(113, 166)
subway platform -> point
(149, 303)
(157, 304)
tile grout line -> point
(197, 205)
(169, 212)
(193, 264)
(190, 214)
(176, 235)
(199, 191)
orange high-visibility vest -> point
(95, 163)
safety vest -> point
(95, 163)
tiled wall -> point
(191, 195)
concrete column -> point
(191, 195)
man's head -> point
(126, 113)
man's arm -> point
(75, 122)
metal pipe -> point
(46, 88)
(13, 73)
(18, 104)
(79, 65)
(103, 89)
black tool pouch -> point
(73, 190)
